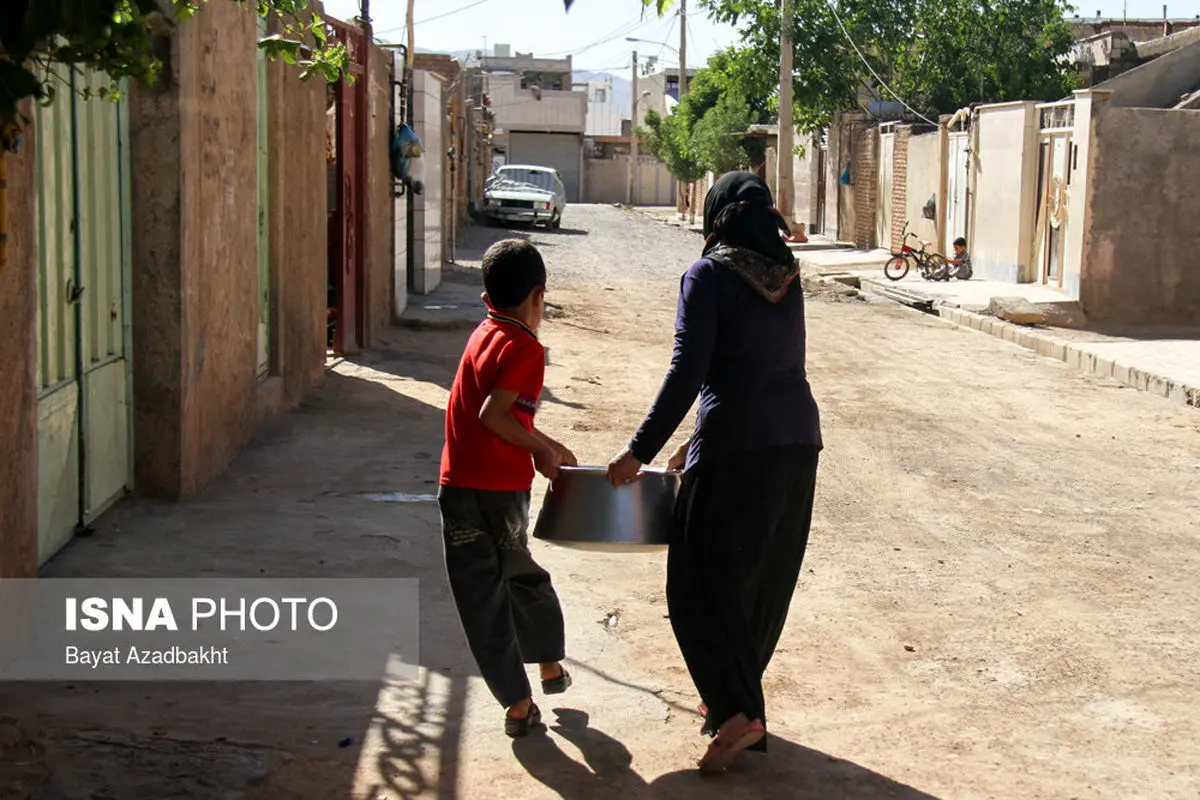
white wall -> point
(924, 181)
(1004, 191)
(428, 208)
(1087, 103)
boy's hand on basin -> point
(548, 461)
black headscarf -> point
(739, 212)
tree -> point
(118, 37)
(670, 140)
(718, 136)
(938, 55)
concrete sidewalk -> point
(1162, 362)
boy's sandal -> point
(557, 685)
(518, 727)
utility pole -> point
(683, 73)
(410, 22)
(784, 186)
(633, 138)
(684, 189)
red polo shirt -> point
(501, 354)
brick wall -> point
(900, 186)
(866, 182)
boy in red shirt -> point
(508, 607)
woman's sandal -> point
(557, 685)
(724, 751)
(518, 727)
(758, 747)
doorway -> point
(887, 164)
(822, 169)
(346, 217)
(85, 455)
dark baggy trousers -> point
(742, 528)
(507, 604)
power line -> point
(872, 69)
(450, 13)
(433, 19)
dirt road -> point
(1000, 599)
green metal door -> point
(264, 217)
(85, 446)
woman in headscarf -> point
(750, 467)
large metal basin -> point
(584, 511)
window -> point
(601, 96)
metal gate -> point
(347, 232)
(560, 151)
(883, 208)
(85, 460)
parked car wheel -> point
(556, 223)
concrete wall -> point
(1158, 84)
(804, 178)
(18, 378)
(1140, 263)
(607, 181)
(428, 207)
(197, 395)
(924, 157)
(1004, 191)
(379, 201)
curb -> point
(1074, 355)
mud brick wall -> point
(900, 187)
(865, 170)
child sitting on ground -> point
(508, 607)
(960, 265)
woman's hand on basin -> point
(678, 459)
(624, 469)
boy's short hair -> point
(512, 270)
(960, 242)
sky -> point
(594, 31)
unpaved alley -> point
(1000, 599)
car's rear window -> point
(542, 180)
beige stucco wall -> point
(1004, 190)
(197, 395)
(18, 378)
(923, 182)
(1140, 241)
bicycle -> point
(932, 266)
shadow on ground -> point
(788, 770)
(294, 504)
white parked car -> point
(521, 193)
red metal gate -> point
(347, 221)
